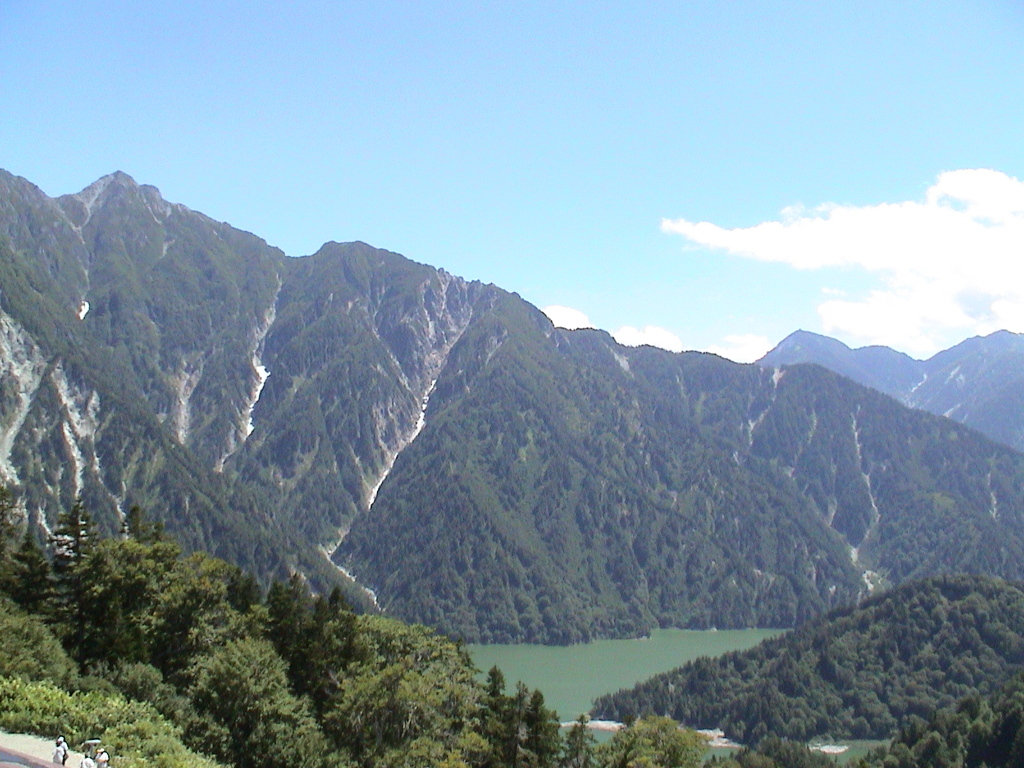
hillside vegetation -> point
(979, 732)
(856, 673)
(178, 661)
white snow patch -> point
(262, 374)
(622, 360)
(994, 508)
(245, 427)
(83, 309)
(21, 368)
(917, 386)
(952, 374)
(392, 456)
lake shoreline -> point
(571, 677)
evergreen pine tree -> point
(288, 612)
(329, 647)
(8, 509)
(139, 527)
(579, 746)
(243, 590)
(33, 576)
(543, 741)
(73, 540)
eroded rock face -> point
(21, 372)
(50, 429)
(359, 339)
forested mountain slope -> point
(139, 338)
(979, 382)
(477, 468)
(576, 483)
(855, 673)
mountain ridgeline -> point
(979, 382)
(355, 414)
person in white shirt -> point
(60, 751)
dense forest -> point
(979, 732)
(859, 672)
(179, 661)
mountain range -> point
(439, 447)
(979, 382)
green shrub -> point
(28, 649)
(135, 734)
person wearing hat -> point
(102, 758)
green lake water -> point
(572, 676)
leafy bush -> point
(132, 731)
(28, 649)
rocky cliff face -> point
(359, 339)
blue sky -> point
(571, 151)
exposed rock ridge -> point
(441, 316)
(243, 426)
(22, 367)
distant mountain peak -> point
(96, 191)
(978, 381)
(800, 339)
(81, 206)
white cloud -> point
(652, 335)
(567, 317)
(741, 349)
(950, 265)
(744, 348)
(571, 319)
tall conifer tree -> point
(33, 577)
(73, 540)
